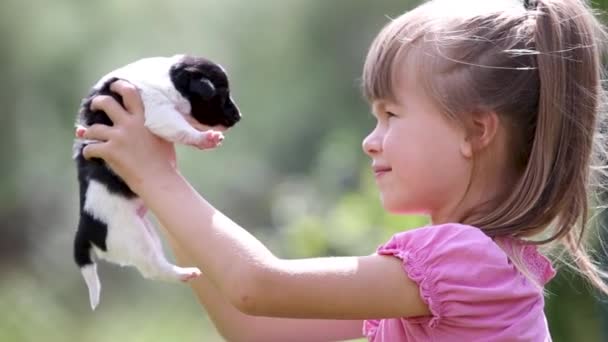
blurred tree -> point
(13, 207)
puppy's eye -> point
(203, 87)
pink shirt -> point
(473, 290)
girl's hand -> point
(129, 148)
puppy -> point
(178, 92)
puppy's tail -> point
(89, 273)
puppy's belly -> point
(128, 240)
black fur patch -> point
(96, 169)
(218, 109)
(90, 232)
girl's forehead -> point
(407, 95)
(408, 82)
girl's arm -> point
(236, 326)
(258, 283)
(243, 270)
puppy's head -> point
(205, 85)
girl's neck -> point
(488, 184)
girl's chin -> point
(402, 209)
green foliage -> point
(35, 311)
(355, 225)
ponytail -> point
(561, 136)
(558, 172)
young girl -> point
(486, 114)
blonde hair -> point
(538, 67)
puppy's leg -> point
(166, 122)
(131, 242)
(141, 212)
(184, 273)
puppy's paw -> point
(80, 130)
(209, 139)
(188, 273)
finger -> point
(95, 150)
(97, 132)
(110, 106)
(130, 96)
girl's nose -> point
(372, 144)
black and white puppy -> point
(178, 93)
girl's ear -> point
(480, 131)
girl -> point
(486, 114)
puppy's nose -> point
(232, 111)
(235, 115)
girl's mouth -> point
(379, 171)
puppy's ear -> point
(202, 87)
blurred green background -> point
(292, 171)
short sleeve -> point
(462, 274)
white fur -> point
(89, 273)
(165, 107)
(162, 121)
(131, 239)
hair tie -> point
(531, 5)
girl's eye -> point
(390, 114)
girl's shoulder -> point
(469, 280)
(456, 243)
(460, 246)
(441, 234)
